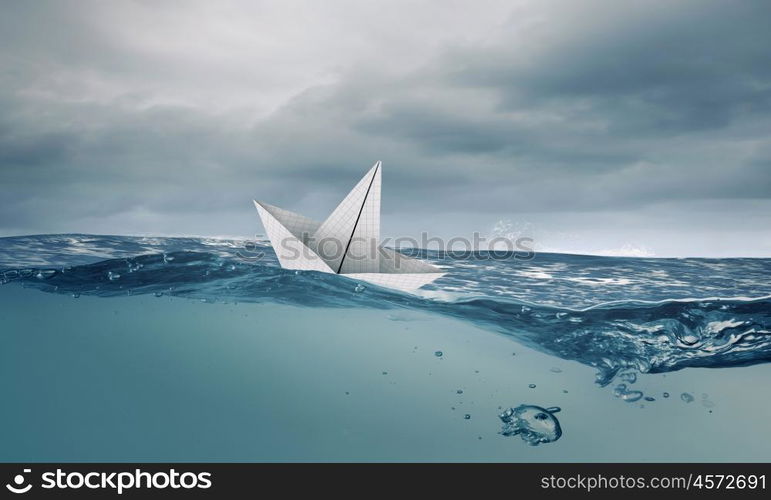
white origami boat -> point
(347, 243)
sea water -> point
(185, 349)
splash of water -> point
(541, 303)
(534, 424)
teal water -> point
(113, 376)
(170, 379)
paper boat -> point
(347, 243)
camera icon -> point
(18, 482)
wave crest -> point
(657, 336)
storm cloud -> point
(595, 125)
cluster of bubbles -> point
(534, 424)
(626, 393)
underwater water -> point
(173, 349)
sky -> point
(604, 127)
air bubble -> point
(632, 396)
(621, 391)
(534, 424)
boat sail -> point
(347, 242)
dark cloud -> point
(665, 69)
(176, 116)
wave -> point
(612, 335)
